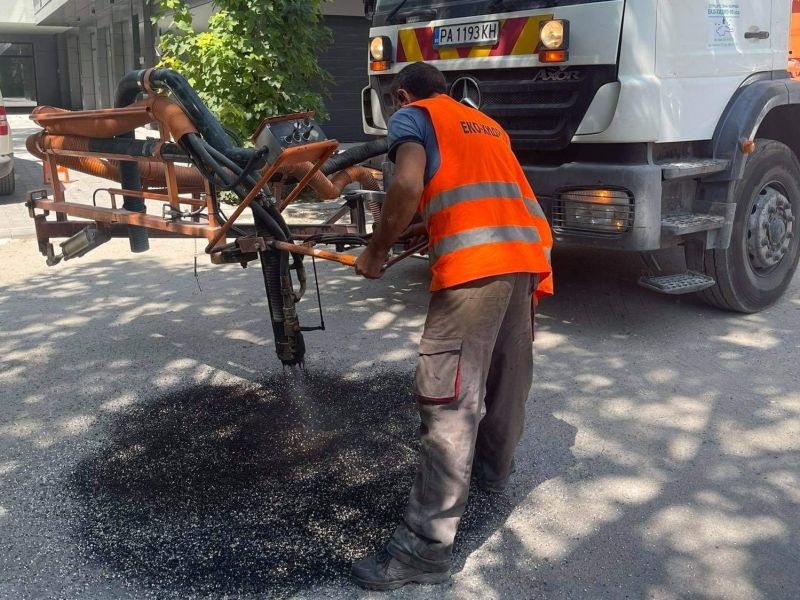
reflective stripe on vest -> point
(534, 208)
(481, 236)
(480, 191)
(474, 191)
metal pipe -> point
(345, 259)
(152, 173)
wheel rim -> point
(770, 229)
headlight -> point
(380, 53)
(378, 48)
(553, 35)
(593, 211)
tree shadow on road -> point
(682, 479)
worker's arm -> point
(399, 207)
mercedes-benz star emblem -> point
(467, 91)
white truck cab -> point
(641, 124)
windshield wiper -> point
(403, 17)
(425, 13)
(505, 5)
(390, 17)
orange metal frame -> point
(316, 153)
(216, 233)
(114, 220)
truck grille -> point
(540, 108)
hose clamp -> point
(145, 83)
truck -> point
(642, 125)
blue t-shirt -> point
(413, 124)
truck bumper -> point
(641, 182)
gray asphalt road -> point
(150, 445)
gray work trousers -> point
(472, 381)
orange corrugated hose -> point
(328, 189)
(152, 173)
(67, 134)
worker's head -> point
(417, 81)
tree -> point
(258, 58)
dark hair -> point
(421, 79)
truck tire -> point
(757, 267)
(7, 184)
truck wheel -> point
(757, 267)
(7, 184)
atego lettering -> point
(473, 127)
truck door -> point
(715, 38)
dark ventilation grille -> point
(540, 108)
(514, 98)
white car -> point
(6, 154)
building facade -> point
(29, 58)
(72, 53)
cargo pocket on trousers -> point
(438, 374)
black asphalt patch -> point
(262, 489)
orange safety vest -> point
(479, 209)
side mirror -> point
(369, 9)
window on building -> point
(17, 72)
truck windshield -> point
(401, 11)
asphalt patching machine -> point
(185, 169)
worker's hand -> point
(413, 235)
(370, 264)
(414, 230)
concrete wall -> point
(101, 51)
(344, 8)
(16, 11)
(73, 89)
(48, 8)
(81, 68)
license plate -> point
(485, 33)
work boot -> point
(381, 571)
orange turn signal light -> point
(552, 56)
(747, 146)
(379, 65)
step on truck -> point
(642, 125)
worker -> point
(489, 251)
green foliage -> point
(258, 58)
